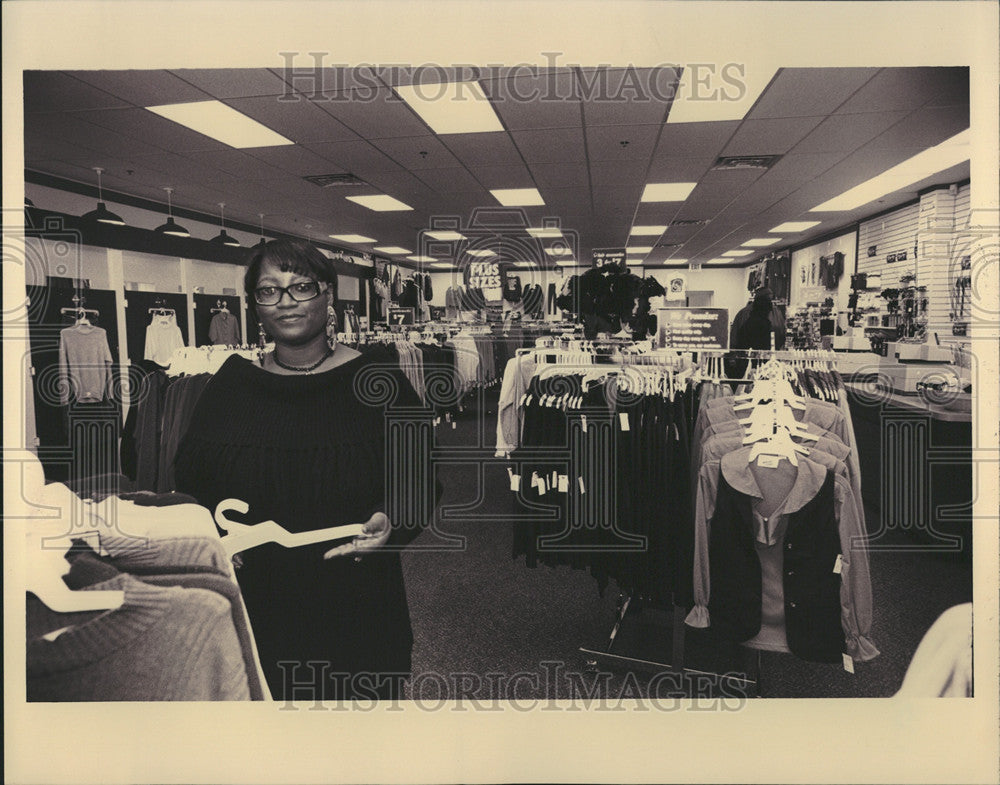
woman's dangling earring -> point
(331, 327)
(263, 337)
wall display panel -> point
(214, 277)
(882, 240)
(74, 440)
(207, 311)
(807, 280)
(138, 318)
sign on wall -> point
(692, 328)
(490, 277)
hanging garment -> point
(163, 337)
(428, 288)
(224, 329)
(84, 364)
(512, 289)
(831, 268)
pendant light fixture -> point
(102, 214)
(170, 227)
(222, 238)
(263, 240)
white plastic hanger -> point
(242, 537)
(47, 564)
(779, 444)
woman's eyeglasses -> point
(300, 292)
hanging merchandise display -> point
(163, 336)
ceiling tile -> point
(418, 152)
(924, 128)
(655, 213)
(234, 82)
(516, 176)
(296, 118)
(373, 114)
(567, 200)
(487, 149)
(311, 79)
(630, 96)
(551, 145)
(716, 191)
(356, 157)
(560, 175)
(450, 180)
(807, 92)
(678, 170)
(948, 86)
(621, 142)
(903, 88)
(295, 160)
(802, 166)
(616, 174)
(694, 140)
(153, 129)
(238, 164)
(53, 91)
(75, 133)
(431, 75)
(143, 88)
(770, 137)
(530, 102)
(847, 132)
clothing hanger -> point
(47, 564)
(779, 444)
(241, 537)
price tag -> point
(453, 425)
(838, 565)
(768, 461)
(623, 420)
(437, 421)
(848, 663)
(583, 419)
(515, 483)
(563, 483)
(582, 488)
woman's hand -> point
(374, 535)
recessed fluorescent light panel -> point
(667, 192)
(452, 107)
(738, 252)
(675, 261)
(567, 263)
(518, 197)
(442, 264)
(638, 249)
(524, 264)
(559, 250)
(719, 261)
(949, 153)
(357, 239)
(445, 235)
(543, 232)
(761, 242)
(380, 203)
(726, 93)
(222, 123)
(392, 250)
(422, 259)
(481, 252)
(654, 231)
(795, 226)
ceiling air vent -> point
(689, 222)
(334, 180)
(746, 162)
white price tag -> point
(453, 425)
(583, 419)
(582, 489)
(563, 483)
(623, 420)
(768, 461)
(515, 483)
(848, 663)
(838, 565)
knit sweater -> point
(165, 644)
(84, 364)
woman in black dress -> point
(302, 439)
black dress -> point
(309, 451)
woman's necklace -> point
(301, 369)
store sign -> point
(490, 277)
(677, 286)
(603, 256)
(692, 328)
(399, 316)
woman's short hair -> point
(297, 256)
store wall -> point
(892, 233)
(65, 258)
(803, 261)
(215, 278)
(727, 285)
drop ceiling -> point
(589, 157)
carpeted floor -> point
(487, 628)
